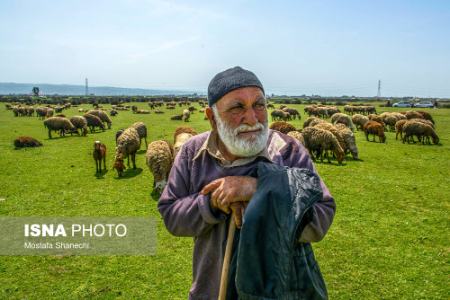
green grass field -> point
(389, 239)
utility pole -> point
(86, 87)
(379, 89)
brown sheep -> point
(319, 141)
(411, 114)
(102, 115)
(58, 124)
(282, 127)
(93, 121)
(292, 112)
(99, 154)
(375, 128)
(426, 115)
(26, 141)
(359, 120)
(421, 130)
(79, 122)
(399, 128)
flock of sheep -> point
(323, 139)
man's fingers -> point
(210, 186)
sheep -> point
(99, 154)
(141, 130)
(297, 135)
(279, 115)
(376, 118)
(176, 117)
(421, 130)
(102, 115)
(191, 109)
(93, 121)
(49, 112)
(41, 112)
(410, 114)
(343, 119)
(158, 111)
(26, 141)
(319, 141)
(282, 127)
(181, 135)
(142, 111)
(292, 112)
(359, 120)
(128, 144)
(79, 122)
(349, 140)
(113, 113)
(426, 115)
(311, 121)
(375, 128)
(399, 128)
(186, 115)
(331, 128)
(58, 124)
(159, 159)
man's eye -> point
(260, 106)
(236, 110)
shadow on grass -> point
(130, 173)
(155, 195)
(101, 174)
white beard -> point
(242, 147)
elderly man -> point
(214, 175)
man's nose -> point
(250, 117)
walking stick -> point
(226, 259)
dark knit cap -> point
(229, 80)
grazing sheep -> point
(99, 154)
(426, 115)
(158, 111)
(58, 124)
(159, 159)
(349, 140)
(176, 117)
(297, 135)
(142, 111)
(376, 118)
(128, 144)
(279, 115)
(93, 121)
(49, 112)
(118, 133)
(186, 115)
(319, 141)
(311, 121)
(102, 115)
(411, 114)
(191, 109)
(399, 128)
(270, 105)
(331, 128)
(343, 119)
(375, 128)
(282, 127)
(79, 122)
(26, 141)
(41, 112)
(292, 112)
(359, 120)
(141, 130)
(113, 113)
(421, 130)
(423, 121)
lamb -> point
(159, 159)
(58, 124)
(375, 128)
(26, 141)
(79, 122)
(93, 121)
(421, 130)
(297, 135)
(343, 119)
(99, 154)
(359, 120)
(319, 141)
(141, 130)
(186, 115)
(102, 115)
(349, 140)
(282, 127)
(128, 144)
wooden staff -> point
(226, 259)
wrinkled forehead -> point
(245, 96)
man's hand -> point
(231, 193)
(230, 189)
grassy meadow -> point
(388, 239)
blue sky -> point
(295, 47)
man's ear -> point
(210, 115)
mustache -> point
(245, 127)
